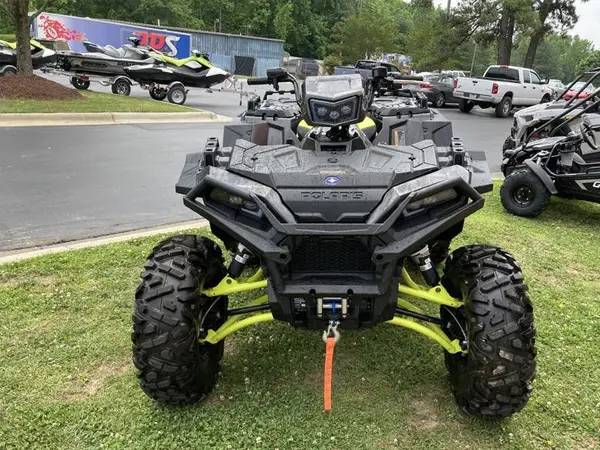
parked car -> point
(576, 90)
(502, 87)
(558, 87)
(439, 89)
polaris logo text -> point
(332, 195)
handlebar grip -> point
(257, 81)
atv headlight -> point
(232, 200)
(334, 113)
(439, 197)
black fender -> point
(542, 175)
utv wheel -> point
(177, 95)
(440, 100)
(503, 108)
(158, 94)
(524, 194)
(173, 367)
(121, 87)
(465, 105)
(493, 379)
(80, 84)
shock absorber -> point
(238, 261)
(423, 259)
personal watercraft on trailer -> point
(170, 77)
(40, 57)
(104, 65)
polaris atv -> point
(529, 119)
(338, 229)
(555, 165)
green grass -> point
(66, 380)
(8, 37)
(92, 102)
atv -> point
(332, 233)
(555, 165)
(529, 119)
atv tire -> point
(465, 105)
(493, 380)
(173, 367)
(504, 107)
(523, 194)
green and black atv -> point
(335, 232)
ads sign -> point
(77, 29)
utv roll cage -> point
(557, 122)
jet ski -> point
(194, 71)
(106, 61)
(40, 56)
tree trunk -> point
(21, 18)
(534, 42)
(538, 35)
(505, 37)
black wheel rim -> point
(523, 195)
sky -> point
(587, 26)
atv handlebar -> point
(258, 81)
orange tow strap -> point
(329, 347)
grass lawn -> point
(66, 380)
(92, 102)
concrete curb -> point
(122, 118)
(28, 253)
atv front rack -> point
(414, 319)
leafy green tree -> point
(357, 37)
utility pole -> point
(473, 60)
(448, 8)
(220, 18)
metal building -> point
(245, 55)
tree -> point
(357, 37)
(17, 12)
(494, 21)
(557, 15)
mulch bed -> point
(34, 88)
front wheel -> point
(524, 194)
(465, 105)
(493, 379)
(173, 366)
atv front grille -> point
(332, 255)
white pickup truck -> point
(502, 87)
